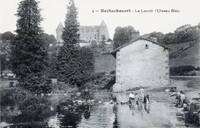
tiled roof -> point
(134, 40)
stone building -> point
(88, 34)
(141, 62)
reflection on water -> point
(142, 116)
(139, 107)
(107, 115)
(100, 117)
(115, 123)
(131, 115)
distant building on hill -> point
(183, 28)
(88, 34)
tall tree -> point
(68, 53)
(70, 57)
(29, 54)
(123, 35)
(70, 34)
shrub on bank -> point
(34, 109)
(183, 70)
(22, 106)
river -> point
(131, 116)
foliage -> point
(11, 97)
(5, 42)
(71, 113)
(85, 66)
(182, 34)
(34, 109)
(5, 39)
(181, 70)
(74, 64)
(37, 83)
(123, 35)
(50, 38)
(158, 35)
(94, 44)
(3, 63)
(76, 69)
(103, 43)
(186, 35)
(29, 49)
(66, 64)
(52, 69)
(70, 34)
(53, 54)
(31, 107)
(168, 38)
(30, 125)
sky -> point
(54, 11)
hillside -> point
(184, 58)
(185, 54)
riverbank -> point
(64, 95)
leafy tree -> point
(85, 66)
(182, 70)
(103, 43)
(52, 70)
(29, 52)
(50, 40)
(5, 42)
(34, 109)
(186, 33)
(73, 66)
(93, 44)
(168, 38)
(158, 35)
(119, 37)
(67, 57)
(123, 35)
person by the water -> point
(114, 99)
(183, 98)
(142, 92)
(131, 98)
(146, 99)
(136, 99)
(146, 102)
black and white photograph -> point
(99, 63)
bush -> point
(181, 70)
(30, 125)
(76, 68)
(31, 108)
(34, 109)
(192, 84)
(36, 84)
(12, 96)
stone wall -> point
(141, 63)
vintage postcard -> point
(100, 63)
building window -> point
(146, 46)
